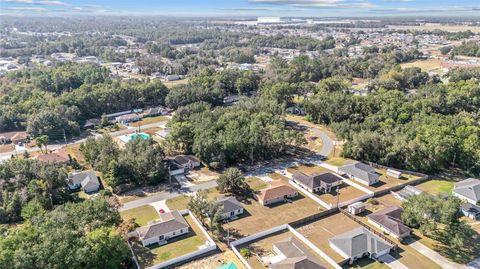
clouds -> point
(317, 4)
(32, 2)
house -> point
(471, 211)
(53, 158)
(394, 173)
(359, 243)
(13, 137)
(390, 221)
(231, 207)
(406, 192)
(187, 161)
(275, 194)
(87, 180)
(91, 123)
(171, 224)
(317, 181)
(172, 77)
(292, 254)
(356, 208)
(112, 116)
(175, 169)
(155, 111)
(468, 190)
(124, 119)
(361, 172)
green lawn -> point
(436, 186)
(338, 161)
(181, 202)
(142, 214)
(366, 263)
(255, 183)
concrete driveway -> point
(392, 262)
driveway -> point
(392, 262)
(434, 256)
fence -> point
(313, 217)
(360, 198)
(356, 185)
(329, 167)
(368, 228)
(310, 195)
(210, 246)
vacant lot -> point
(347, 193)
(142, 214)
(258, 217)
(430, 65)
(263, 250)
(176, 247)
(307, 169)
(320, 231)
(436, 186)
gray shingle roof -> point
(169, 222)
(391, 219)
(315, 180)
(359, 241)
(471, 209)
(297, 256)
(79, 177)
(361, 171)
(469, 188)
(229, 203)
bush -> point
(372, 201)
(245, 252)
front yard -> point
(436, 186)
(142, 214)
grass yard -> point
(367, 263)
(436, 186)
(255, 183)
(150, 120)
(263, 248)
(426, 65)
(388, 182)
(176, 247)
(142, 214)
(307, 169)
(258, 217)
(347, 193)
(277, 176)
(181, 202)
(74, 151)
(339, 161)
(170, 84)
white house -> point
(468, 190)
(171, 224)
(231, 207)
(356, 208)
(87, 180)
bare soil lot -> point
(347, 193)
(307, 169)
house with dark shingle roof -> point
(170, 225)
(317, 182)
(275, 194)
(187, 161)
(231, 207)
(361, 172)
(292, 254)
(390, 221)
(468, 190)
(358, 243)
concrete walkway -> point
(392, 262)
(433, 255)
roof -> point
(359, 241)
(274, 192)
(408, 191)
(52, 158)
(315, 180)
(469, 188)
(361, 171)
(471, 209)
(91, 123)
(229, 203)
(184, 159)
(169, 222)
(90, 181)
(296, 256)
(391, 219)
(156, 110)
(357, 205)
(14, 136)
(79, 177)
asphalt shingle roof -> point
(169, 222)
(297, 256)
(359, 241)
(229, 203)
(469, 188)
(391, 219)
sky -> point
(233, 8)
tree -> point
(232, 181)
(42, 141)
(198, 205)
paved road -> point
(6, 155)
(434, 256)
(168, 195)
(392, 262)
(326, 149)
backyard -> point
(436, 186)
(347, 193)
